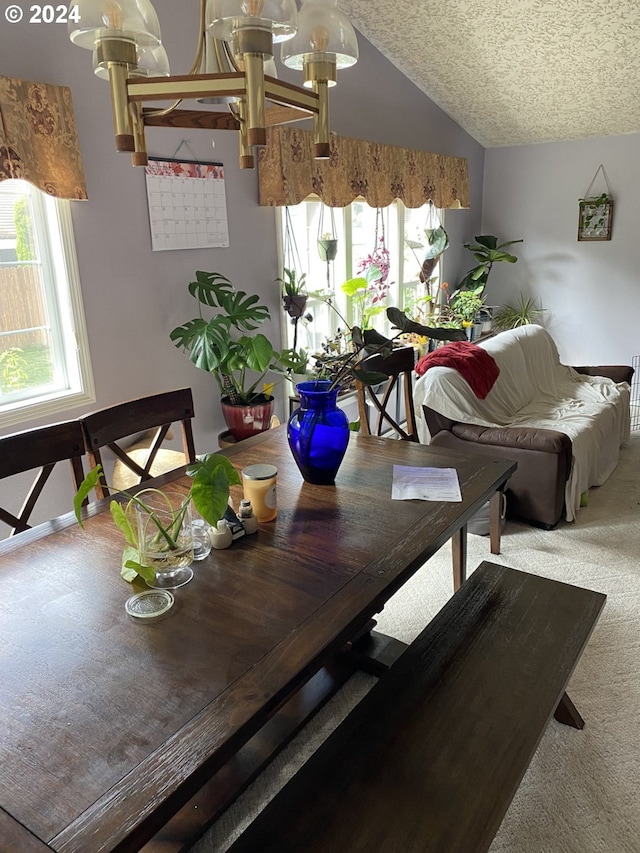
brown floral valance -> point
(357, 168)
(38, 138)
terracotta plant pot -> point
(244, 421)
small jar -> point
(201, 539)
(259, 485)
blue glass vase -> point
(318, 432)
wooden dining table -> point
(121, 736)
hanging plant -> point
(293, 283)
(435, 244)
(369, 290)
(327, 239)
(375, 267)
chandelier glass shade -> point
(226, 17)
(323, 32)
(233, 67)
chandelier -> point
(233, 66)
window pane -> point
(362, 232)
(420, 292)
(42, 355)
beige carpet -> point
(581, 793)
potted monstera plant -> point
(226, 345)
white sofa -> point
(534, 403)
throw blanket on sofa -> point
(535, 390)
(472, 362)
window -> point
(356, 228)
(44, 354)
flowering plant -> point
(370, 288)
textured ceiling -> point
(514, 72)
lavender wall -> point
(133, 297)
(590, 289)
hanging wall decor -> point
(595, 216)
(187, 204)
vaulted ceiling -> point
(514, 72)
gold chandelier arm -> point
(194, 68)
(167, 110)
(200, 47)
(223, 47)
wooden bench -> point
(431, 758)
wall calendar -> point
(187, 205)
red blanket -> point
(471, 361)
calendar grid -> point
(187, 205)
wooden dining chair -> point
(146, 457)
(39, 449)
(380, 409)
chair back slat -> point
(40, 450)
(398, 366)
(110, 426)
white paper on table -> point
(425, 484)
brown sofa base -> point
(535, 492)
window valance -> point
(38, 138)
(357, 168)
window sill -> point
(18, 413)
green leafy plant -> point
(594, 213)
(292, 283)
(466, 303)
(437, 241)
(299, 361)
(219, 345)
(487, 251)
(596, 201)
(25, 243)
(212, 475)
(365, 296)
(511, 317)
(13, 369)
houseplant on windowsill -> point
(239, 362)
(465, 304)
(527, 311)
(212, 475)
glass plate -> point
(150, 605)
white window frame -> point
(73, 381)
(344, 267)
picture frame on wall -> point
(595, 218)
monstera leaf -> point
(216, 291)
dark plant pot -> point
(327, 249)
(318, 432)
(245, 420)
(295, 305)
